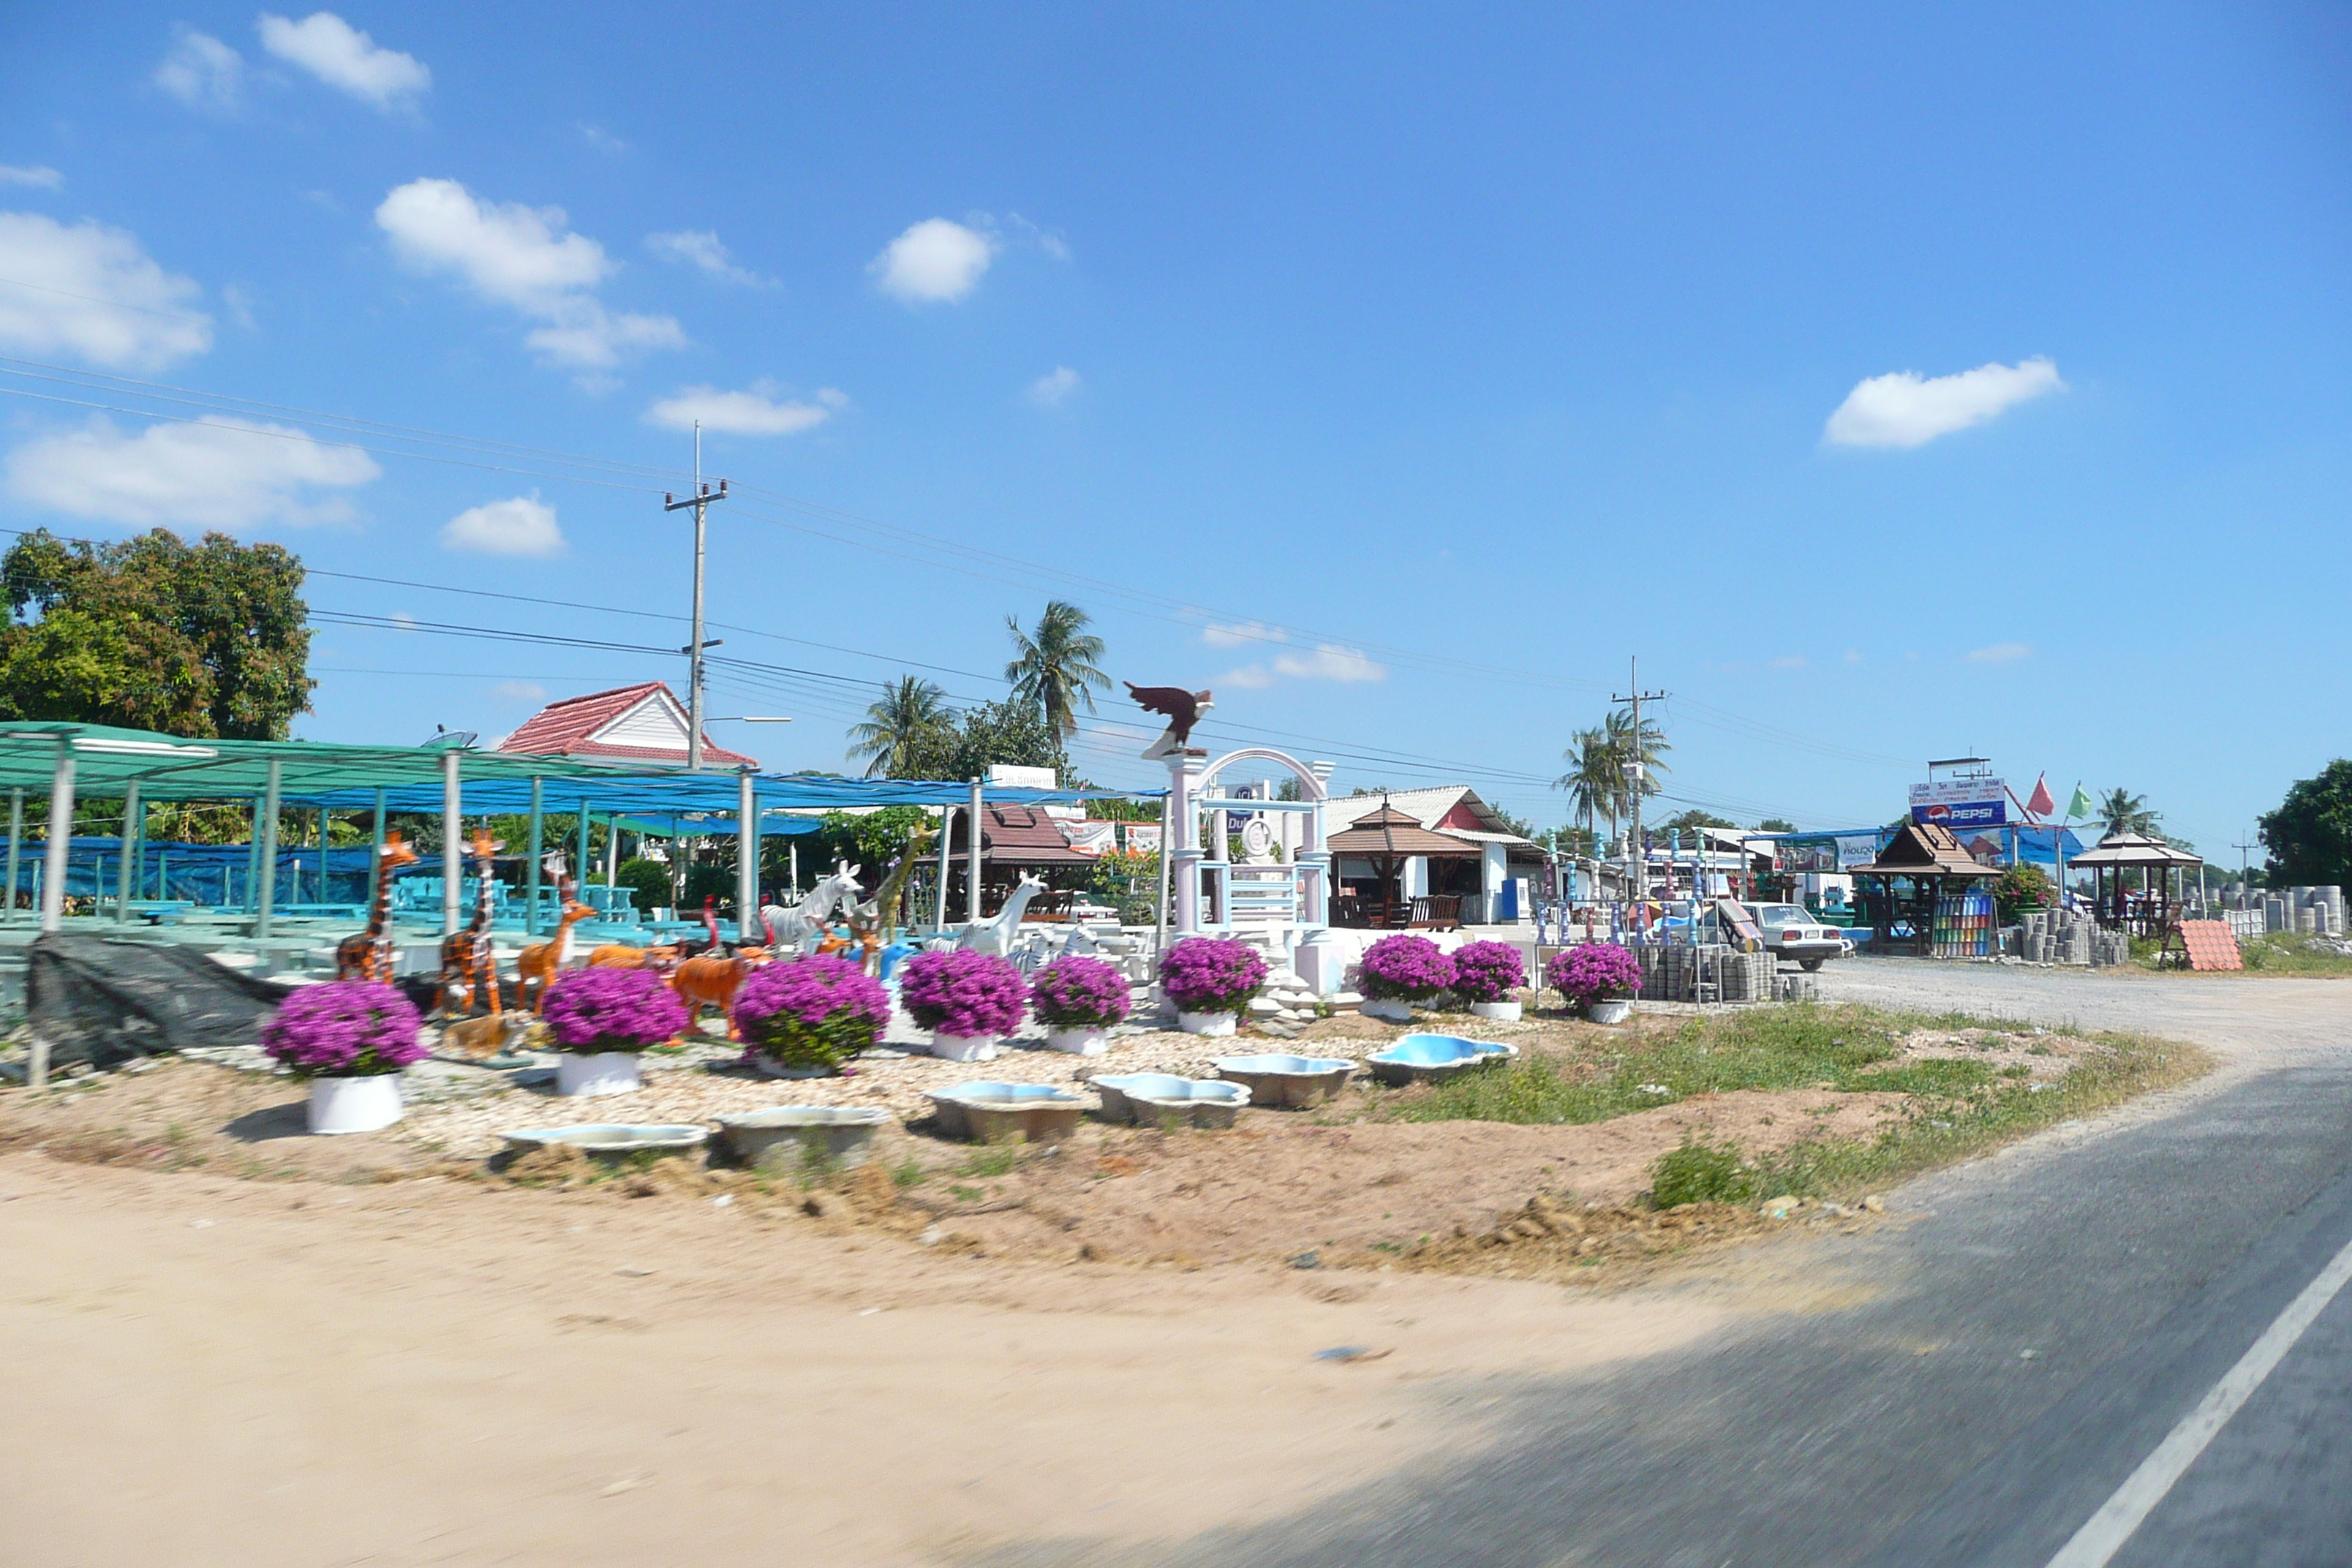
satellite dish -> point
(446, 738)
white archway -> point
(1189, 786)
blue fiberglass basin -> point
(1424, 1056)
(1287, 1083)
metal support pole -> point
(453, 841)
(61, 805)
(971, 861)
(530, 899)
(253, 858)
(268, 847)
(15, 848)
(747, 859)
(375, 861)
(947, 836)
(127, 873)
(582, 859)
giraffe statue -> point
(367, 955)
(469, 965)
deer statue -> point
(712, 979)
(801, 927)
(537, 965)
(469, 964)
(621, 956)
(996, 936)
(367, 955)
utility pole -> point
(1634, 771)
(2245, 875)
(700, 502)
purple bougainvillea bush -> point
(345, 1028)
(1209, 975)
(1596, 972)
(811, 1012)
(962, 995)
(1405, 969)
(590, 1011)
(1077, 993)
(1487, 971)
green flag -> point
(2080, 805)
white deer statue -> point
(996, 936)
(802, 926)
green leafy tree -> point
(1691, 821)
(901, 729)
(1012, 733)
(206, 640)
(2022, 886)
(2309, 837)
(1776, 825)
(1054, 666)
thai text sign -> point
(1961, 804)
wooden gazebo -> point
(1388, 838)
(2146, 910)
(1922, 864)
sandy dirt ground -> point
(229, 1343)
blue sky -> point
(1894, 386)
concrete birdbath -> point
(1150, 1098)
(787, 1135)
(610, 1138)
(1287, 1083)
(953, 1106)
(1434, 1058)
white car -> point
(1791, 933)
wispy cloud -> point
(2000, 653)
(519, 690)
(1906, 409)
(699, 248)
(1326, 661)
(1791, 661)
(203, 73)
(1236, 635)
(40, 174)
(91, 291)
(521, 525)
(760, 411)
(1050, 390)
(228, 474)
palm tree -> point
(2124, 812)
(1592, 781)
(1055, 665)
(909, 713)
(1622, 749)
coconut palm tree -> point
(1592, 781)
(1650, 752)
(2123, 812)
(1055, 665)
(907, 714)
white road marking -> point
(2104, 1533)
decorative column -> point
(266, 845)
(946, 835)
(126, 875)
(1181, 848)
(61, 805)
(531, 872)
(1315, 873)
(15, 848)
(747, 859)
(971, 861)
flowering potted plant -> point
(1485, 973)
(601, 1019)
(1211, 980)
(1598, 978)
(1400, 970)
(968, 1000)
(1078, 999)
(349, 1038)
(803, 1017)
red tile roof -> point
(567, 729)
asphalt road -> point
(2017, 1352)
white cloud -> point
(213, 473)
(1049, 390)
(524, 525)
(1905, 409)
(203, 73)
(604, 141)
(403, 621)
(1852, 656)
(2000, 653)
(934, 261)
(346, 58)
(40, 174)
(1329, 661)
(526, 258)
(91, 291)
(699, 247)
(1234, 636)
(756, 411)
(1791, 661)
(519, 691)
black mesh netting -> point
(104, 1000)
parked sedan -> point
(1791, 933)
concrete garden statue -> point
(1598, 978)
(969, 1000)
(1078, 999)
(349, 1038)
(602, 1018)
(1487, 974)
(1401, 971)
(803, 1017)
(1212, 981)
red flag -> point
(2042, 802)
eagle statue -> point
(1182, 709)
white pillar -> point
(61, 805)
(1180, 849)
(946, 835)
(125, 882)
(452, 846)
(971, 861)
(16, 846)
(268, 846)
(747, 859)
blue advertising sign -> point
(1961, 804)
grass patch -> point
(2285, 953)
(994, 1160)
(1701, 1173)
(908, 1172)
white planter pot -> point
(1389, 1009)
(1496, 1012)
(965, 1048)
(774, 1068)
(606, 1072)
(1214, 1025)
(354, 1104)
(1614, 1011)
(1079, 1042)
